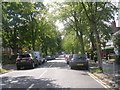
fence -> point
(112, 69)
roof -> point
(118, 32)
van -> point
(38, 56)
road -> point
(52, 74)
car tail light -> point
(18, 60)
(30, 58)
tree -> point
(28, 25)
(73, 15)
(70, 43)
(95, 13)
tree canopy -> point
(29, 25)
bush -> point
(13, 59)
(116, 40)
(7, 59)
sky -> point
(60, 25)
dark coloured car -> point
(78, 61)
(26, 60)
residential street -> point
(42, 43)
(53, 74)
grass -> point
(3, 70)
(94, 67)
(96, 70)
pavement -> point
(105, 78)
(9, 66)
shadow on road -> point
(60, 65)
(27, 81)
(53, 64)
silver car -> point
(78, 61)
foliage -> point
(32, 25)
(117, 42)
(70, 43)
(29, 26)
(3, 70)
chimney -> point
(113, 24)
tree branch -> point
(70, 25)
(85, 11)
(101, 12)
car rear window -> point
(78, 57)
(24, 55)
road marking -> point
(50, 66)
(99, 81)
(38, 78)
(30, 86)
(42, 74)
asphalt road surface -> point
(52, 74)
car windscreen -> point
(24, 55)
(78, 57)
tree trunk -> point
(98, 44)
(93, 20)
(33, 33)
(92, 40)
(80, 37)
(33, 41)
(14, 39)
(79, 33)
(46, 50)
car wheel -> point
(33, 65)
(37, 64)
(67, 62)
(18, 68)
(71, 67)
(86, 67)
(40, 62)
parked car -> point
(26, 60)
(68, 58)
(78, 61)
(39, 57)
(50, 57)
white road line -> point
(38, 78)
(99, 81)
(50, 66)
(30, 86)
(42, 74)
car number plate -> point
(80, 64)
(23, 60)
